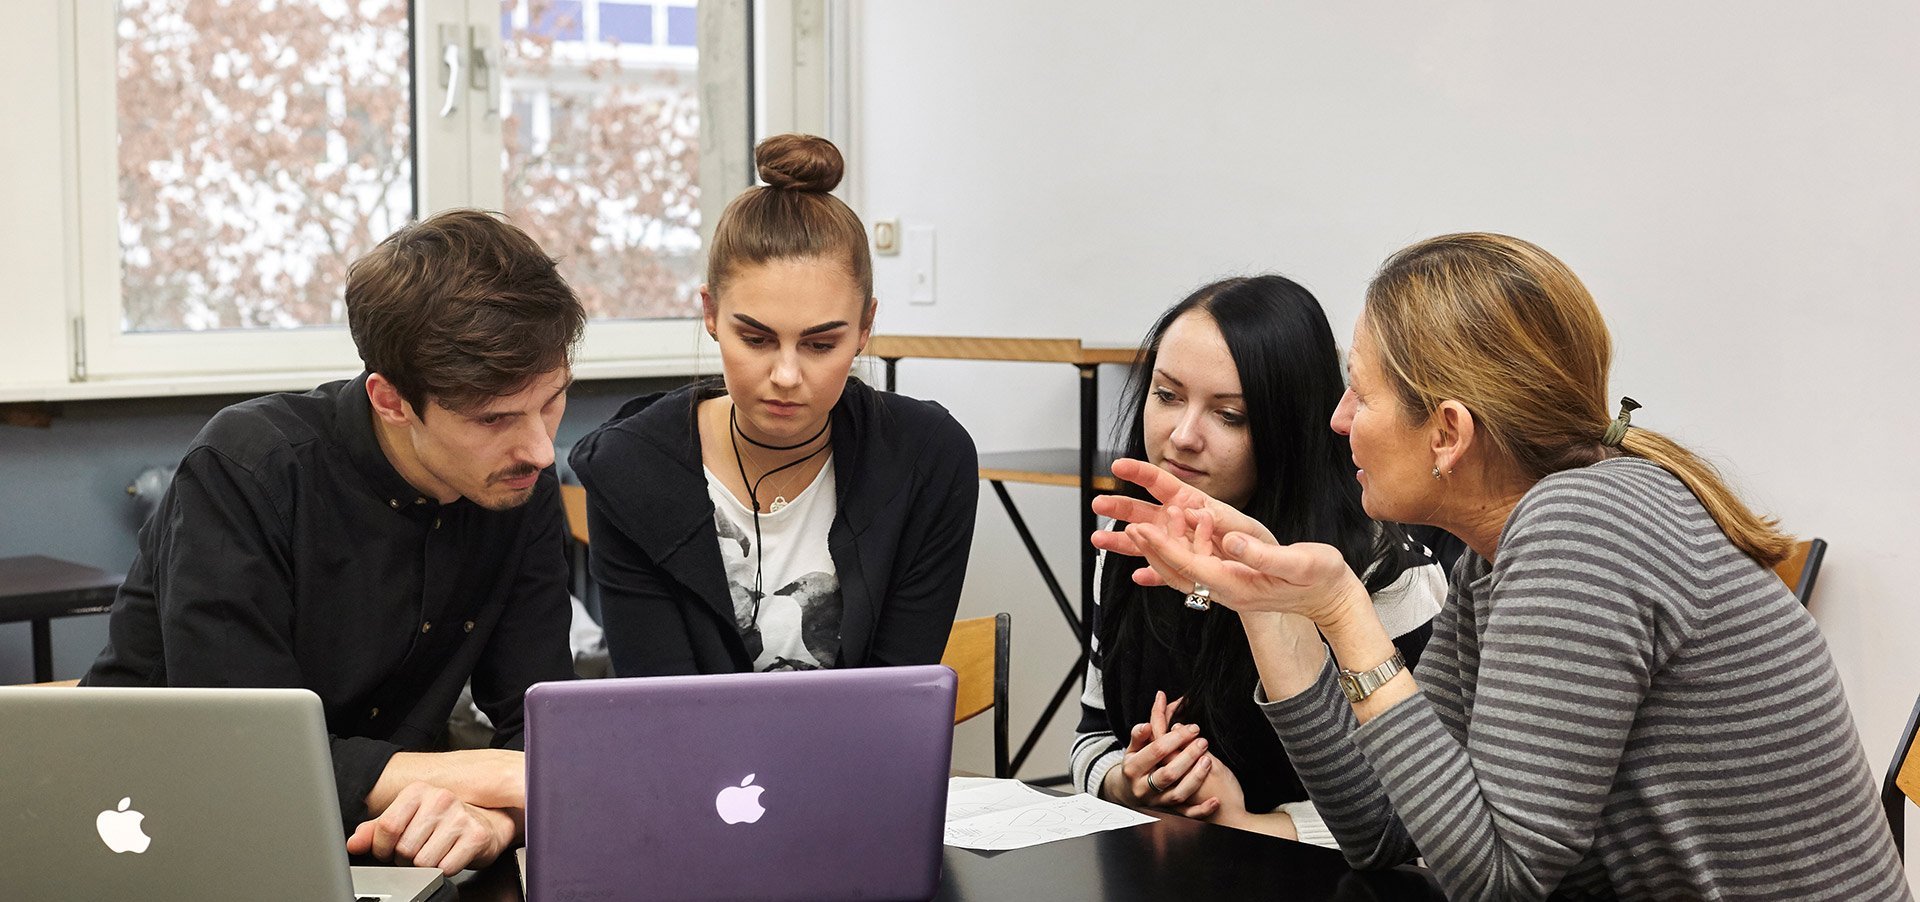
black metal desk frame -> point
(1088, 453)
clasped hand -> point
(1167, 766)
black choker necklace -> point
(753, 488)
(733, 419)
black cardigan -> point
(906, 480)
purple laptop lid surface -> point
(816, 785)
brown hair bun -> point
(799, 163)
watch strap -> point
(1358, 684)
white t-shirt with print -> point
(798, 622)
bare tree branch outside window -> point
(263, 146)
(602, 151)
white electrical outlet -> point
(919, 240)
(886, 237)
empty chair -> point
(977, 650)
(1903, 782)
(1802, 567)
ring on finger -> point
(1152, 785)
(1201, 598)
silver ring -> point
(1201, 598)
(1152, 785)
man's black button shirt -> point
(289, 552)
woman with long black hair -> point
(1232, 393)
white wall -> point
(1738, 183)
(33, 196)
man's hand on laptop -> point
(429, 826)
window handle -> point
(450, 51)
(485, 74)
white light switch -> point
(920, 265)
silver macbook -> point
(819, 785)
(177, 794)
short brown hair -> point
(462, 307)
(792, 216)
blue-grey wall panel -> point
(63, 492)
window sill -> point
(262, 383)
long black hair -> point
(1304, 491)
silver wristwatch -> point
(1358, 684)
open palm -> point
(1249, 574)
(1171, 495)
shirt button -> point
(373, 714)
(436, 523)
(393, 503)
(469, 626)
(424, 627)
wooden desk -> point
(1020, 350)
(1084, 467)
(1172, 858)
(39, 588)
(1047, 466)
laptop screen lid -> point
(827, 784)
(164, 794)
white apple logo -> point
(120, 829)
(740, 804)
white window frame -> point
(457, 161)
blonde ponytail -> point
(1758, 536)
(1506, 329)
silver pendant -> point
(779, 502)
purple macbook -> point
(826, 784)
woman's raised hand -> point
(1170, 493)
(1247, 573)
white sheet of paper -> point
(995, 815)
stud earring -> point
(1436, 472)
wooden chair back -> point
(574, 499)
(1802, 567)
(1902, 785)
(978, 651)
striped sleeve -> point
(1567, 655)
(1308, 826)
(1095, 749)
(1620, 705)
(1316, 728)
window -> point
(602, 153)
(262, 147)
(233, 158)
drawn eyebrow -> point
(810, 330)
(1219, 396)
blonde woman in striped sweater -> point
(1619, 700)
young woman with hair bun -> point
(786, 516)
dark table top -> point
(37, 586)
(1172, 858)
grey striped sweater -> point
(1622, 706)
